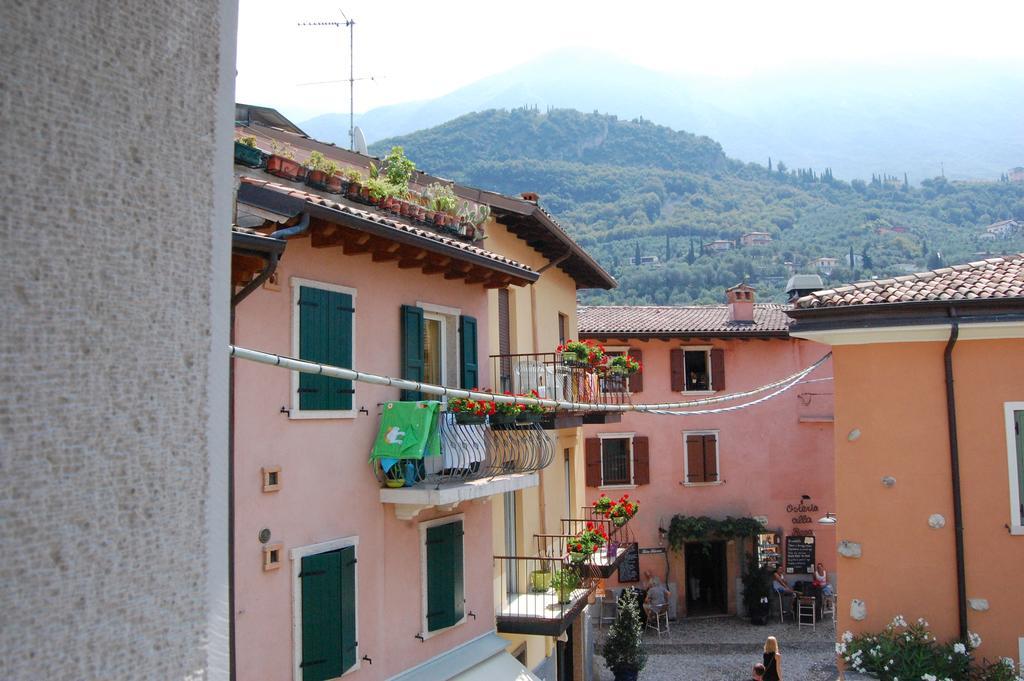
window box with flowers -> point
(505, 414)
(586, 543)
(531, 413)
(470, 412)
(588, 354)
(623, 510)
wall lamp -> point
(828, 519)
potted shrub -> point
(247, 154)
(282, 163)
(564, 582)
(531, 413)
(623, 650)
(757, 589)
(505, 414)
(574, 353)
(397, 169)
(470, 412)
(378, 189)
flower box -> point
(249, 156)
(529, 417)
(317, 179)
(503, 419)
(467, 419)
(286, 168)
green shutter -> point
(445, 592)
(469, 372)
(348, 608)
(321, 624)
(325, 336)
(328, 585)
(412, 349)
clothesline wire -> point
(667, 408)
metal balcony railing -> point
(555, 379)
(473, 452)
(540, 596)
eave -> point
(330, 227)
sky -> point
(421, 50)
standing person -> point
(758, 672)
(772, 660)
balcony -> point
(602, 563)
(555, 379)
(476, 461)
(539, 596)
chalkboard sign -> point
(629, 568)
(799, 554)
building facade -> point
(929, 381)
(772, 461)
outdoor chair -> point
(608, 607)
(781, 604)
(828, 606)
(657, 615)
(806, 612)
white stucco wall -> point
(116, 126)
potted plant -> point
(505, 413)
(573, 352)
(398, 170)
(531, 413)
(586, 543)
(394, 477)
(322, 173)
(564, 582)
(247, 154)
(623, 650)
(624, 365)
(757, 589)
(623, 510)
(603, 504)
(468, 411)
(282, 163)
(377, 189)
(355, 182)
(540, 579)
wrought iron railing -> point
(539, 595)
(473, 452)
(553, 378)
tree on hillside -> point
(636, 257)
(690, 257)
(769, 164)
(781, 167)
(668, 248)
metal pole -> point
(351, 87)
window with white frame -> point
(700, 457)
(1015, 463)
(325, 603)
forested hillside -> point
(632, 189)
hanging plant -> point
(684, 528)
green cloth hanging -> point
(408, 430)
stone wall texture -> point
(108, 125)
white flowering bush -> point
(911, 652)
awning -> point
(501, 667)
(482, 659)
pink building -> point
(333, 574)
(772, 462)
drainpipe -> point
(536, 344)
(298, 228)
(954, 460)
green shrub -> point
(624, 650)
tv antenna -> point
(350, 24)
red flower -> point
(590, 526)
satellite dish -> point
(359, 142)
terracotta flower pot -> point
(333, 184)
(317, 179)
(286, 168)
(354, 190)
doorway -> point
(706, 588)
(564, 657)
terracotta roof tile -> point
(769, 319)
(374, 216)
(985, 279)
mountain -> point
(632, 191)
(959, 117)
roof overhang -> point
(680, 335)
(250, 254)
(924, 321)
(330, 227)
(525, 219)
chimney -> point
(801, 285)
(530, 196)
(741, 303)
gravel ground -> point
(726, 648)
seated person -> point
(657, 597)
(781, 586)
(821, 580)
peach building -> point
(772, 461)
(929, 441)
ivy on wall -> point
(684, 528)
